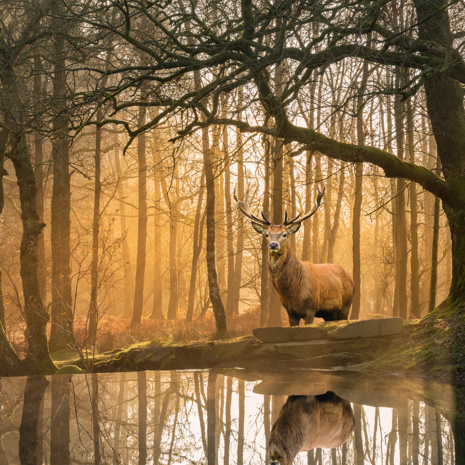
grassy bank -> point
(433, 347)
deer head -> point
(277, 235)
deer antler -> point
(245, 209)
(307, 215)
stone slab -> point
(368, 328)
(361, 396)
(326, 347)
(294, 334)
(360, 329)
(324, 361)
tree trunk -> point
(229, 225)
(267, 423)
(274, 318)
(61, 313)
(60, 414)
(293, 201)
(157, 441)
(265, 278)
(241, 433)
(337, 215)
(128, 284)
(414, 260)
(173, 302)
(142, 415)
(28, 434)
(439, 438)
(401, 223)
(240, 230)
(402, 425)
(95, 420)
(377, 296)
(40, 179)
(356, 224)
(415, 432)
(227, 420)
(327, 209)
(219, 211)
(446, 110)
(93, 307)
(358, 440)
(38, 358)
(198, 238)
(434, 259)
(2, 305)
(317, 155)
(215, 297)
(119, 414)
(315, 219)
(157, 312)
(11, 364)
(141, 227)
(306, 251)
(211, 418)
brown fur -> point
(307, 422)
(307, 290)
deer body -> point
(307, 422)
(307, 290)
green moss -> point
(63, 355)
(70, 370)
(434, 346)
(46, 367)
(169, 363)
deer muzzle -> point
(274, 246)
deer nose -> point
(274, 245)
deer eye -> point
(266, 235)
(284, 235)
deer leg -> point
(342, 315)
(309, 319)
(294, 321)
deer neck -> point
(279, 262)
(285, 445)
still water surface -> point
(203, 417)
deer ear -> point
(294, 228)
(259, 228)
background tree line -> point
(126, 128)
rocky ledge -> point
(332, 330)
(323, 345)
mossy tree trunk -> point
(38, 357)
(444, 98)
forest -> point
(157, 156)
(129, 128)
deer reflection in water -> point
(307, 422)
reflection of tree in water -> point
(184, 418)
(60, 420)
(30, 437)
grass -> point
(115, 333)
(435, 347)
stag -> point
(306, 290)
(307, 422)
